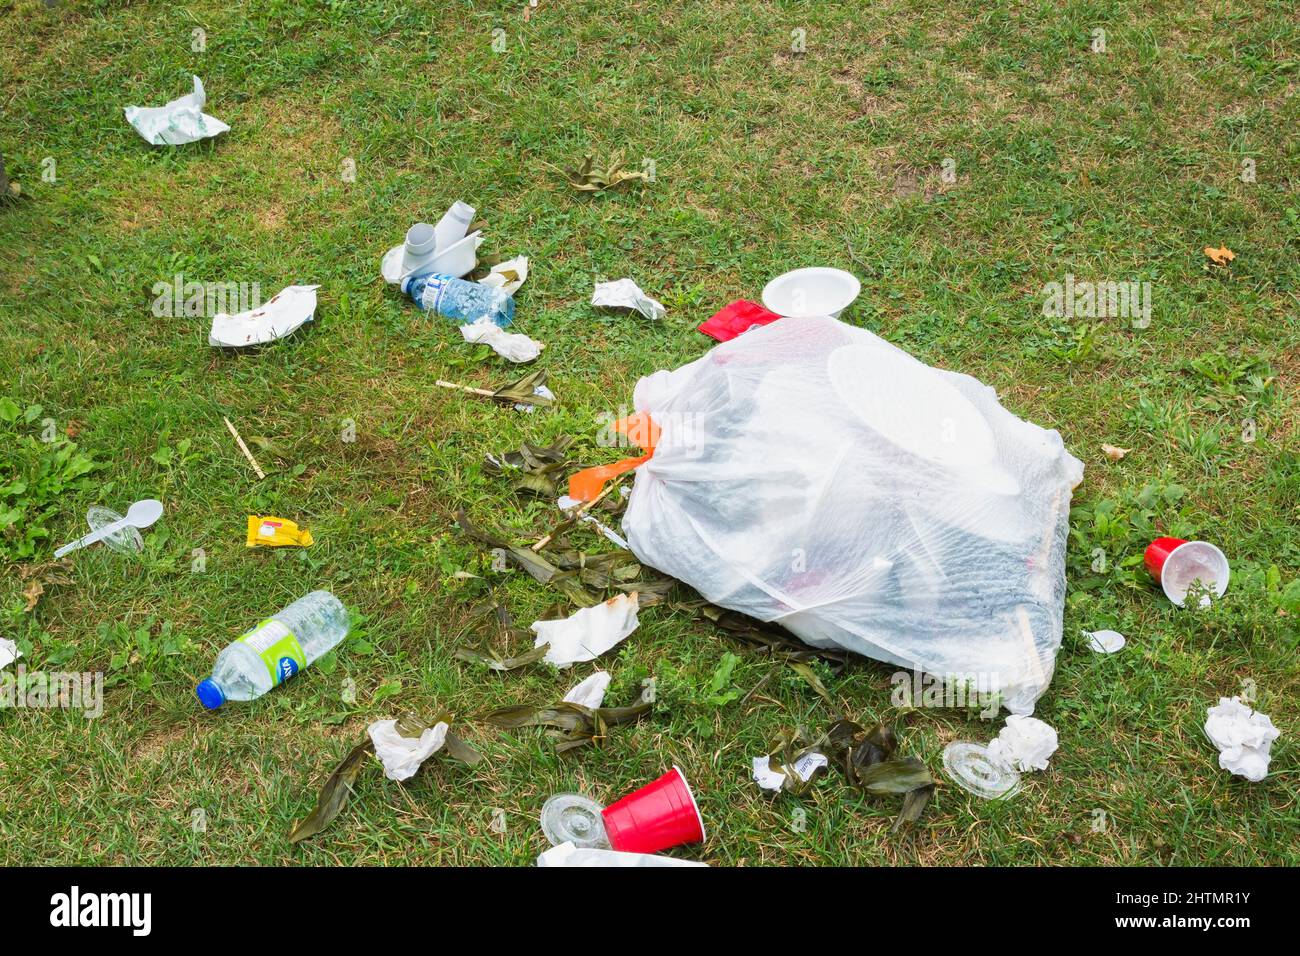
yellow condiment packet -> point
(269, 532)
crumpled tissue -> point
(514, 346)
(589, 633)
(9, 652)
(1244, 738)
(566, 854)
(591, 692)
(804, 767)
(1025, 743)
(507, 276)
(289, 309)
(178, 122)
(626, 294)
(400, 755)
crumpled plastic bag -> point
(178, 122)
(812, 474)
(1025, 744)
(514, 346)
(566, 854)
(590, 693)
(589, 633)
(9, 652)
(286, 312)
(402, 756)
(626, 294)
(1244, 738)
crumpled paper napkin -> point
(1025, 743)
(514, 346)
(1244, 738)
(591, 692)
(178, 122)
(402, 756)
(626, 294)
(566, 854)
(589, 633)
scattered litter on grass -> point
(1181, 567)
(589, 693)
(736, 319)
(266, 531)
(119, 533)
(9, 652)
(516, 347)
(507, 276)
(626, 294)
(402, 756)
(566, 854)
(1244, 738)
(178, 122)
(1220, 256)
(573, 725)
(1105, 642)
(239, 441)
(1114, 452)
(339, 785)
(288, 310)
(523, 393)
(589, 633)
(575, 507)
(588, 178)
(1024, 743)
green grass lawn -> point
(1119, 165)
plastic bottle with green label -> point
(276, 649)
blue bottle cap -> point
(210, 695)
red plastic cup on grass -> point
(659, 816)
(1177, 564)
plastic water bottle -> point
(464, 302)
(276, 649)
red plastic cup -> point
(1176, 563)
(659, 816)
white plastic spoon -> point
(140, 515)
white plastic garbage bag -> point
(812, 474)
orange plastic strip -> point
(587, 484)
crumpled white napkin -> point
(566, 854)
(589, 633)
(514, 346)
(9, 652)
(1025, 743)
(626, 294)
(591, 692)
(178, 122)
(400, 755)
(286, 312)
(501, 278)
(1244, 738)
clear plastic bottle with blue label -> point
(461, 301)
(276, 649)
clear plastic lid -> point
(974, 770)
(125, 540)
(573, 818)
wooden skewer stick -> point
(580, 510)
(466, 388)
(244, 448)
